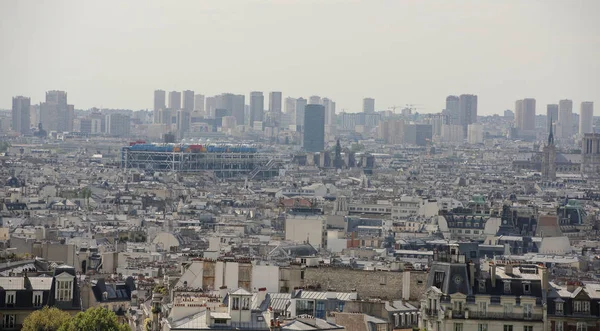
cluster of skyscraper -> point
(559, 116)
(56, 115)
(230, 111)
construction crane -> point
(393, 108)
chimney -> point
(471, 274)
(544, 278)
(262, 295)
(493, 273)
(508, 268)
(207, 315)
(223, 291)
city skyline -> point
(425, 75)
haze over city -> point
(114, 54)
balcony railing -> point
(431, 312)
(505, 316)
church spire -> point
(551, 135)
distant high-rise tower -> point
(586, 118)
(55, 113)
(20, 115)
(519, 114)
(211, 106)
(300, 109)
(257, 107)
(314, 128)
(234, 104)
(314, 100)
(275, 102)
(368, 105)
(467, 104)
(188, 100)
(199, 103)
(452, 109)
(174, 100)
(159, 103)
(528, 119)
(551, 114)
(183, 122)
(565, 118)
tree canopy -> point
(46, 319)
(93, 319)
(97, 318)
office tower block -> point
(199, 103)
(300, 108)
(117, 125)
(467, 105)
(314, 128)
(452, 109)
(183, 122)
(21, 115)
(368, 105)
(565, 118)
(160, 98)
(326, 102)
(518, 114)
(211, 106)
(289, 112)
(174, 100)
(55, 113)
(551, 115)
(188, 101)
(275, 102)
(257, 107)
(586, 118)
(314, 100)
(232, 103)
(528, 118)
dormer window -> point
(64, 290)
(235, 305)
(559, 308)
(10, 298)
(527, 288)
(482, 286)
(506, 286)
(581, 307)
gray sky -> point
(115, 53)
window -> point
(245, 303)
(581, 326)
(458, 327)
(458, 306)
(581, 307)
(260, 318)
(37, 299)
(527, 310)
(508, 309)
(220, 321)
(64, 290)
(482, 286)
(527, 327)
(559, 326)
(526, 288)
(483, 308)
(559, 308)
(8, 321)
(235, 304)
(507, 286)
(482, 327)
(508, 328)
(382, 280)
(10, 297)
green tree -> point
(46, 319)
(98, 318)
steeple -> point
(551, 135)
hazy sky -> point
(115, 53)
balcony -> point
(505, 316)
(431, 313)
